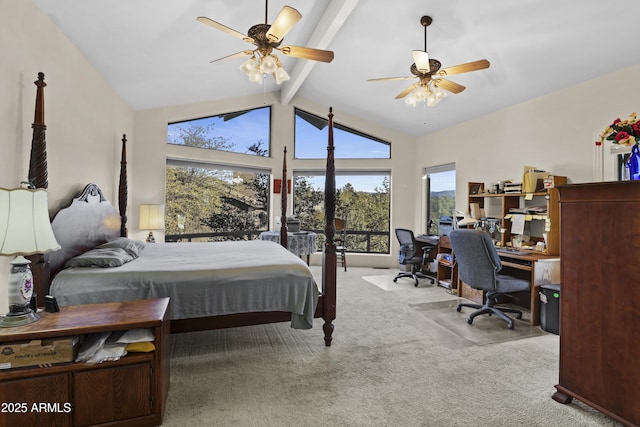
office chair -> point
(479, 266)
(340, 241)
(412, 254)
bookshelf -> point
(540, 209)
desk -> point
(538, 268)
(297, 243)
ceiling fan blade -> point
(308, 53)
(448, 85)
(391, 78)
(233, 56)
(465, 68)
(407, 90)
(286, 19)
(223, 28)
(421, 59)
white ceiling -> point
(154, 53)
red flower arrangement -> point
(622, 132)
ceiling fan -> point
(430, 75)
(266, 38)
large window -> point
(440, 194)
(311, 140)
(213, 203)
(245, 132)
(362, 199)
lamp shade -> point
(25, 228)
(151, 217)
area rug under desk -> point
(386, 283)
(452, 329)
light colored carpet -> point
(387, 366)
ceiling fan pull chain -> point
(264, 90)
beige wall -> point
(85, 118)
(555, 132)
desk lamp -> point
(25, 229)
(151, 218)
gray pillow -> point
(132, 246)
(101, 257)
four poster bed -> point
(211, 285)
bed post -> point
(38, 175)
(283, 202)
(329, 261)
(38, 178)
(122, 189)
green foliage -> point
(200, 200)
(441, 204)
(364, 212)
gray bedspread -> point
(202, 279)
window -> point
(363, 199)
(440, 194)
(311, 140)
(212, 203)
(245, 132)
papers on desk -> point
(517, 224)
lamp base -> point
(24, 317)
(150, 237)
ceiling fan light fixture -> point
(281, 75)
(256, 76)
(268, 64)
(249, 65)
(416, 95)
(438, 93)
(435, 95)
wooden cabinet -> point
(501, 206)
(131, 391)
(600, 298)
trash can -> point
(550, 308)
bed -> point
(210, 286)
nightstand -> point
(131, 391)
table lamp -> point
(151, 218)
(25, 229)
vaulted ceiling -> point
(154, 53)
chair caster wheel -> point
(458, 309)
(395, 280)
(416, 285)
(470, 320)
(510, 326)
(518, 315)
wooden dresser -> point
(600, 298)
(129, 392)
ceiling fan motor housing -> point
(434, 66)
(259, 34)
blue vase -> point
(633, 163)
